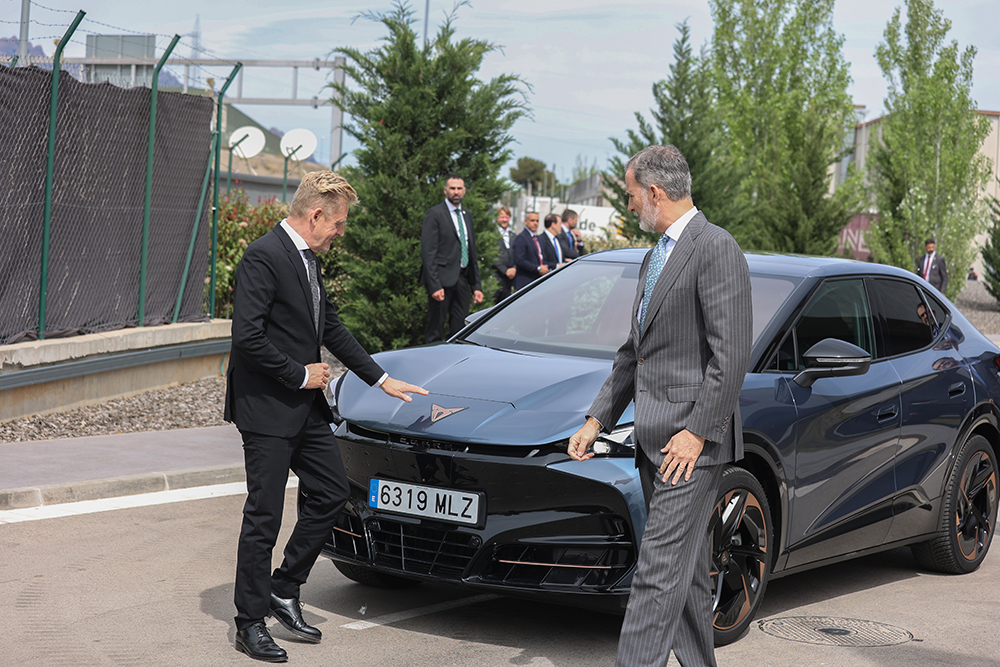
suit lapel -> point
(295, 257)
(676, 262)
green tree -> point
(991, 251)
(684, 116)
(419, 113)
(926, 172)
(782, 84)
(529, 169)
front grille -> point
(349, 537)
(420, 549)
(595, 566)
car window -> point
(585, 309)
(908, 326)
(938, 311)
(768, 293)
(838, 309)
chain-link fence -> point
(97, 206)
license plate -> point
(424, 501)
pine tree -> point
(419, 113)
(685, 117)
(991, 251)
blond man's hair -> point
(321, 189)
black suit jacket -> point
(568, 252)
(504, 261)
(938, 276)
(274, 339)
(441, 250)
(526, 257)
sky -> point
(590, 64)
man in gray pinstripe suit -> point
(683, 364)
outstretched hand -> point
(399, 389)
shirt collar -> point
(674, 231)
(552, 237)
(300, 243)
(452, 208)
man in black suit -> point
(533, 256)
(274, 395)
(503, 267)
(931, 267)
(555, 237)
(574, 239)
(450, 266)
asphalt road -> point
(153, 586)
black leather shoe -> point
(255, 641)
(288, 612)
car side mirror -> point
(832, 357)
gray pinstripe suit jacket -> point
(685, 371)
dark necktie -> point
(313, 285)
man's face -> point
(571, 223)
(556, 228)
(329, 224)
(503, 219)
(922, 314)
(454, 190)
(639, 203)
(531, 222)
(929, 248)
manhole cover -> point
(834, 631)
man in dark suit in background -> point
(683, 364)
(503, 267)
(533, 256)
(274, 395)
(931, 267)
(450, 266)
(572, 235)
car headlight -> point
(619, 441)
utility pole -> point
(22, 43)
(427, 11)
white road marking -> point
(420, 611)
(127, 502)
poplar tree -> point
(925, 170)
(419, 113)
(781, 81)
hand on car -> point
(399, 389)
(581, 441)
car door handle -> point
(888, 412)
(956, 390)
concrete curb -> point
(114, 487)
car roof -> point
(773, 264)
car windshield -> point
(585, 310)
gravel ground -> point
(191, 405)
(201, 403)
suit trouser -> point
(670, 606)
(315, 457)
(455, 305)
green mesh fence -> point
(97, 205)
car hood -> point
(479, 394)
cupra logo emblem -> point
(438, 413)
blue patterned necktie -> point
(656, 262)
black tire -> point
(969, 516)
(369, 577)
(741, 534)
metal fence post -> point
(194, 229)
(215, 191)
(49, 171)
(229, 174)
(149, 179)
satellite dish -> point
(251, 144)
(299, 138)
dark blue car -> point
(869, 416)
